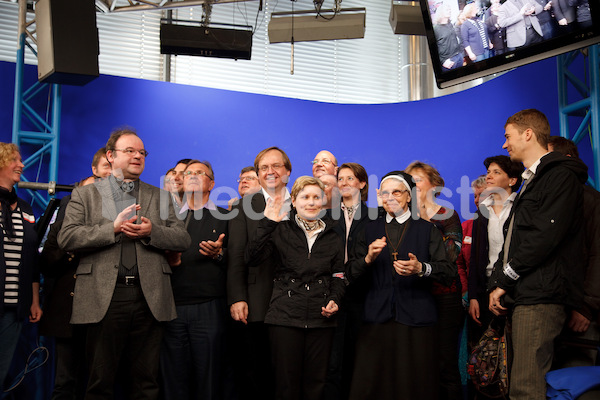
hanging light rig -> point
(206, 13)
(337, 8)
(292, 42)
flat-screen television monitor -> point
(469, 39)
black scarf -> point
(6, 199)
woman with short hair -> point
(19, 273)
(308, 287)
(503, 180)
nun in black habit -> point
(398, 257)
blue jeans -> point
(192, 359)
(483, 56)
(10, 329)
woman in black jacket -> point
(308, 286)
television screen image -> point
(472, 39)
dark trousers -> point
(10, 329)
(343, 351)
(71, 372)
(300, 358)
(450, 322)
(193, 356)
(532, 37)
(251, 358)
(128, 335)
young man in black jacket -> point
(541, 265)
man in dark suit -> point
(249, 290)
(121, 228)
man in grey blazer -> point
(122, 290)
(521, 23)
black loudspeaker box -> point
(205, 41)
(67, 41)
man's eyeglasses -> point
(324, 161)
(246, 179)
(396, 193)
(195, 173)
(265, 168)
(131, 152)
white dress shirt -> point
(495, 227)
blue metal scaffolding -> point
(584, 111)
(36, 133)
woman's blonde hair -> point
(6, 152)
(432, 174)
(303, 182)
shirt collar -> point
(351, 208)
(532, 170)
(489, 202)
(286, 196)
(209, 205)
(400, 219)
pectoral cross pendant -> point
(395, 254)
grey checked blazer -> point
(509, 17)
(88, 230)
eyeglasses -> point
(324, 161)
(195, 173)
(131, 152)
(246, 179)
(396, 193)
(265, 168)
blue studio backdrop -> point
(454, 133)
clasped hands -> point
(126, 223)
(403, 267)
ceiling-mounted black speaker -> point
(206, 41)
(67, 41)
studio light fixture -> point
(315, 25)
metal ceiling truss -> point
(36, 115)
(587, 107)
(113, 6)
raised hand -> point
(211, 249)
(273, 209)
(375, 249)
